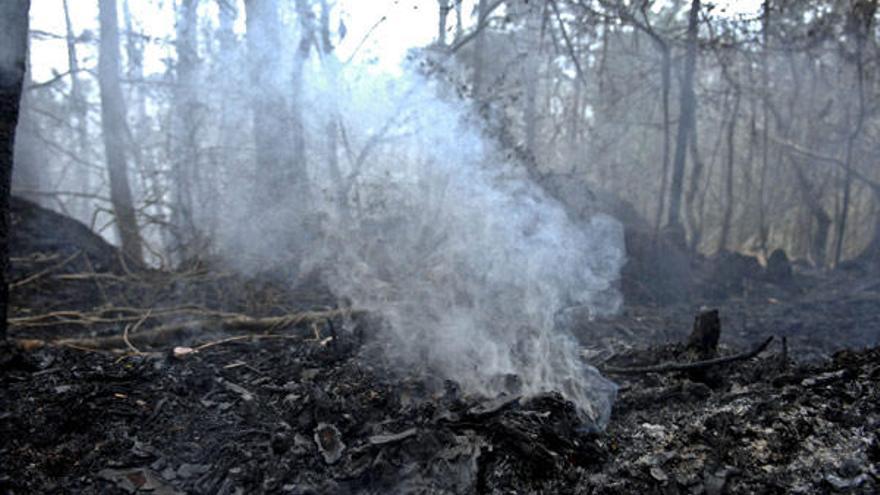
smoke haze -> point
(469, 263)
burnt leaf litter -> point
(307, 405)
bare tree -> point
(113, 123)
(186, 163)
(78, 104)
(686, 118)
(859, 24)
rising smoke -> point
(471, 266)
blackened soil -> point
(304, 409)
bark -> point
(186, 153)
(479, 49)
(685, 120)
(728, 179)
(459, 26)
(444, 9)
(331, 68)
(296, 176)
(819, 244)
(280, 172)
(763, 230)
(114, 125)
(859, 26)
(691, 209)
(79, 108)
(531, 77)
(13, 63)
(666, 75)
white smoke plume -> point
(469, 263)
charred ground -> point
(278, 390)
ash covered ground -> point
(202, 381)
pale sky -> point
(406, 24)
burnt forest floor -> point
(123, 381)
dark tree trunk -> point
(685, 120)
(13, 62)
(114, 128)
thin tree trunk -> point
(728, 180)
(297, 176)
(186, 155)
(530, 113)
(686, 118)
(763, 230)
(79, 109)
(13, 63)
(331, 68)
(479, 49)
(459, 27)
(861, 20)
(664, 176)
(114, 125)
(441, 27)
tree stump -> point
(703, 340)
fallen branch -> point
(29, 345)
(233, 322)
(129, 328)
(38, 275)
(56, 318)
(697, 365)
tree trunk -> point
(728, 180)
(763, 229)
(664, 177)
(531, 68)
(479, 49)
(79, 109)
(860, 22)
(819, 244)
(459, 26)
(280, 172)
(331, 68)
(13, 63)
(186, 155)
(114, 125)
(297, 176)
(685, 120)
(441, 27)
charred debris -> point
(251, 387)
